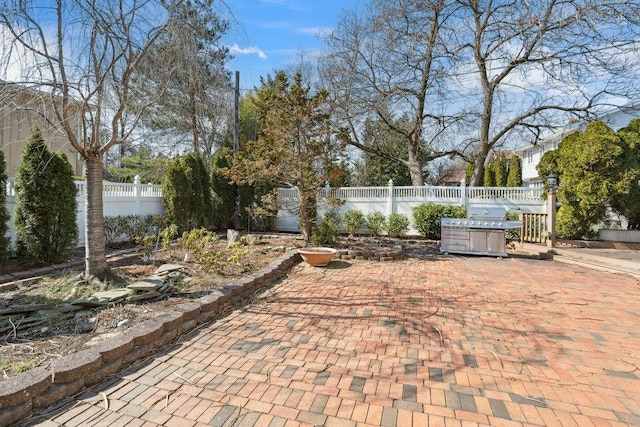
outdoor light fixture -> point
(552, 182)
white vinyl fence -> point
(118, 199)
(146, 199)
(390, 199)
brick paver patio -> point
(450, 341)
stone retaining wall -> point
(390, 254)
(40, 387)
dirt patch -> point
(23, 348)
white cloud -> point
(293, 5)
(316, 31)
(247, 51)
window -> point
(530, 156)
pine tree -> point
(295, 146)
(45, 204)
(514, 178)
(499, 167)
(489, 179)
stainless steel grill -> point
(481, 233)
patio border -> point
(39, 387)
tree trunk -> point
(415, 167)
(194, 123)
(415, 171)
(478, 171)
(306, 211)
(485, 126)
(94, 240)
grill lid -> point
(482, 213)
(483, 217)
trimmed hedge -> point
(426, 217)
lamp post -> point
(552, 182)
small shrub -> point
(426, 217)
(167, 235)
(397, 225)
(326, 234)
(128, 228)
(197, 239)
(200, 242)
(354, 220)
(238, 252)
(376, 223)
(146, 244)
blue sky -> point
(270, 34)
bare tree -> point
(390, 62)
(533, 66)
(84, 53)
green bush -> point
(167, 235)
(46, 228)
(186, 194)
(5, 242)
(426, 217)
(325, 234)
(354, 220)
(397, 225)
(201, 242)
(227, 193)
(376, 223)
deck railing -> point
(534, 227)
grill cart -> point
(483, 232)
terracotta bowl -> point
(317, 257)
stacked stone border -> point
(39, 387)
(395, 253)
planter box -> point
(629, 236)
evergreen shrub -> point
(397, 225)
(5, 242)
(353, 221)
(46, 204)
(376, 223)
(186, 194)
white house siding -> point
(531, 154)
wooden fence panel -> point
(534, 227)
